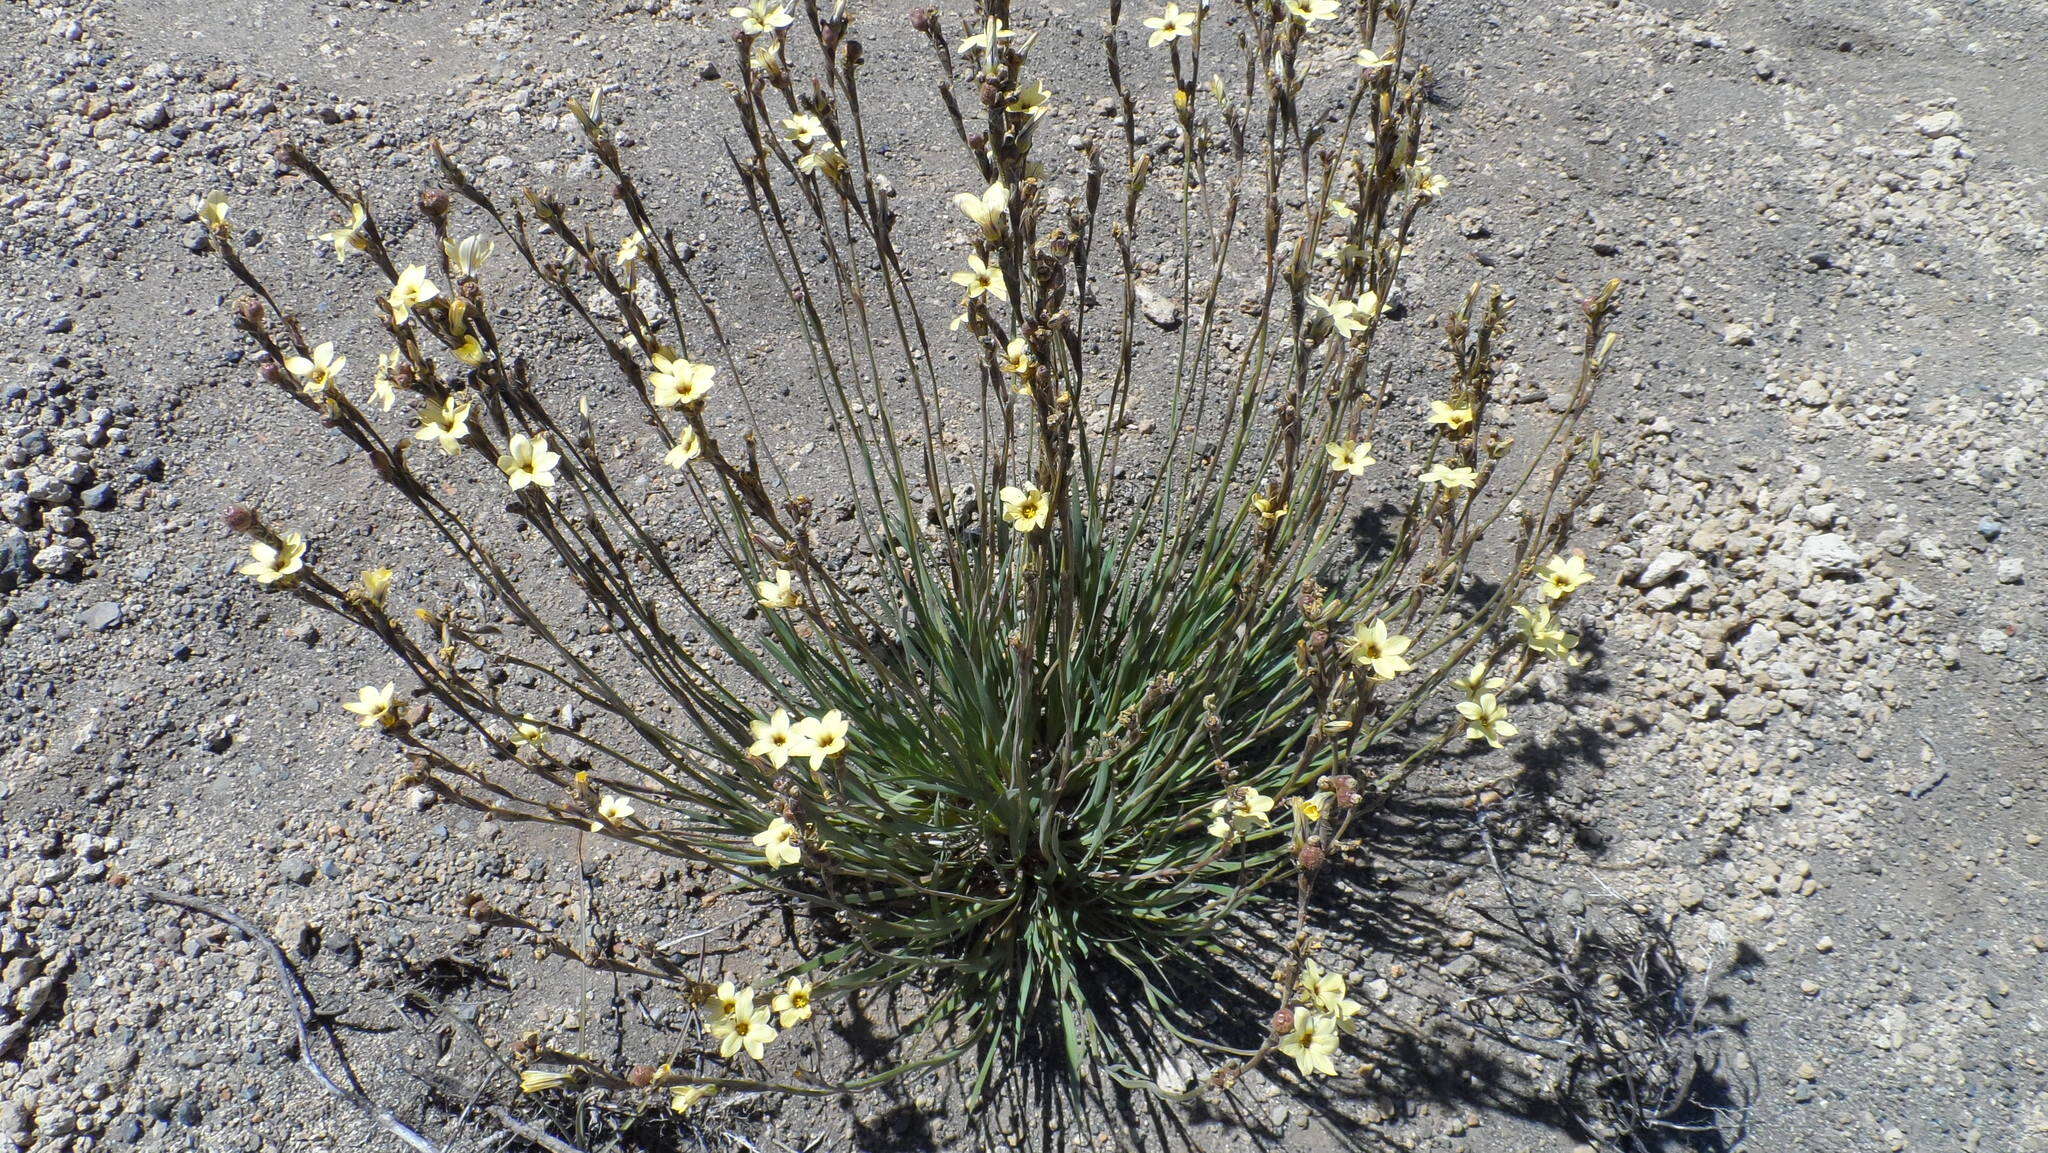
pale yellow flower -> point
(677, 381)
(611, 811)
(1270, 510)
(445, 423)
(777, 739)
(376, 585)
(348, 237)
(377, 707)
(409, 291)
(804, 129)
(1561, 576)
(1371, 646)
(1451, 476)
(1313, 1041)
(980, 277)
(760, 17)
(1312, 808)
(529, 460)
(992, 33)
(1240, 811)
(989, 211)
(466, 256)
(1370, 61)
(1344, 315)
(688, 447)
(1017, 361)
(317, 373)
(1170, 25)
(1310, 12)
(1475, 682)
(213, 213)
(825, 736)
(544, 1080)
(469, 350)
(1341, 210)
(277, 563)
(632, 252)
(684, 1098)
(793, 1003)
(779, 844)
(1454, 417)
(1486, 719)
(1350, 456)
(383, 392)
(723, 1003)
(1033, 100)
(1026, 509)
(824, 159)
(745, 1028)
(1326, 992)
(530, 732)
(779, 593)
(1426, 182)
(1543, 634)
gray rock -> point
(98, 498)
(102, 616)
(1937, 124)
(297, 870)
(2011, 571)
(1163, 311)
(57, 560)
(1663, 567)
(17, 560)
(1831, 553)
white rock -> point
(1664, 566)
(1831, 552)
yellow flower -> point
(632, 251)
(1170, 25)
(1561, 576)
(1016, 361)
(1312, 809)
(723, 1003)
(1544, 635)
(470, 351)
(611, 811)
(760, 18)
(991, 34)
(779, 844)
(376, 585)
(688, 447)
(1270, 510)
(1033, 100)
(1341, 209)
(1241, 810)
(529, 460)
(1475, 682)
(1344, 315)
(825, 736)
(382, 392)
(684, 1098)
(677, 381)
(803, 128)
(529, 731)
(377, 707)
(543, 1080)
(777, 740)
(1326, 992)
(989, 210)
(1370, 646)
(276, 563)
(466, 256)
(319, 372)
(979, 277)
(1370, 61)
(347, 238)
(794, 1002)
(213, 213)
(1350, 456)
(411, 290)
(1311, 11)
(779, 593)
(1314, 1038)
(1427, 184)
(1486, 719)
(1451, 476)
(1454, 417)
(1026, 509)
(445, 423)
(824, 159)
(745, 1028)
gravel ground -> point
(1812, 742)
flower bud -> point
(1312, 856)
(270, 372)
(240, 518)
(1283, 1020)
(249, 311)
(434, 202)
(921, 19)
(641, 1077)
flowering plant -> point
(1039, 717)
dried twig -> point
(537, 1136)
(306, 1016)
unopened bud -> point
(1283, 1020)
(641, 1077)
(270, 372)
(249, 311)
(434, 202)
(240, 518)
(1312, 856)
(921, 19)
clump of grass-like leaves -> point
(1073, 674)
